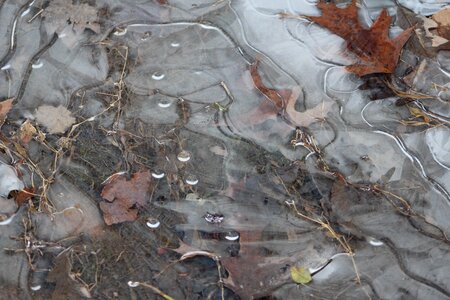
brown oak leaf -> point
(123, 197)
(377, 53)
(252, 275)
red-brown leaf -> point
(377, 53)
(124, 197)
(23, 196)
(278, 97)
(5, 107)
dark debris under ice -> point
(240, 190)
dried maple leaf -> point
(376, 51)
(123, 197)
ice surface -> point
(147, 80)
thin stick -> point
(156, 290)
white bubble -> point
(158, 76)
(191, 180)
(37, 65)
(232, 236)
(164, 103)
(184, 156)
(35, 287)
(152, 223)
(375, 242)
(175, 44)
(158, 174)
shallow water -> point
(333, 182)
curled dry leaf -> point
(26, 132)
(123, 197)
(284, 98)
(377, 53)
(276, 96)
(22, 197)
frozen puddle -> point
(224, 145)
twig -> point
(153, 288)
(326, 225)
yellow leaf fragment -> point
(301, 275)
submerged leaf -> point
(442, 18)
(63, 280)
(276, 96)
(55, 119)
(301, 275)
(61, 14)
(434, 33)
(283, 98)
(124, 197)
